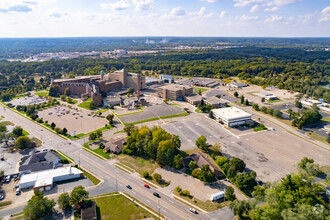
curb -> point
(188, 203)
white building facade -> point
(231, 116)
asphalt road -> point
(114, 178)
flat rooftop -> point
(231, 113)
(174, 87)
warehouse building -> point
(231, 116)
(174, 91)
(194, 99)
(215, 102)
(267, 96)
(44, 180)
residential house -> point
(115, 146)
(200, 161)
(39, 161)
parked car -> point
(1, 197)
(193, 211)
(156, 194)
(146, 185)
(37, 151)
(129, 187)
(8, 178)
(1, 191)
(46, 149)
(18, 192)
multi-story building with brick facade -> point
(174, 91)
(93, 86)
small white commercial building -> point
(41, 181)
(231, 116)
(267, 96)
(216, 196)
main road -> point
(114, 178)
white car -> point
(46, 149)
(192, 210)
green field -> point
(98, 151)
(200, 88)
(86, 104)
(41, 93)
(6, 123)
(138, 164)
(115, 207)
(92, 178)
(25, 133)
(326, 119)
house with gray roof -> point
(39, 161)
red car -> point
(146, 185)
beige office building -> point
(174, 91)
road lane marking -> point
(142, 189)
(147, 200)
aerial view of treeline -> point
(286, 68)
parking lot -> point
(272, 154)
(152, 112)
(28, 100)
(80, 121)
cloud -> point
(248, 18)
(273, 18)
(140, 5)
(178, 11)
(202, 11)
(325, 14)
(210, 1)
(56, 13)
(282, 2)
(243, 3)
(223, 14)
(254, 8)
(16, 6)
(272, 9)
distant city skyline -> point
(208, 18)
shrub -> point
(157, 177)
(101, 146)
(196, 173)
(178, 189)
(145, 174)
(185, 193)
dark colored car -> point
(156, 194)
(129, 187)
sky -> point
(219, 18)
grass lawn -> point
(138, 164)
(17, 216)
(115, 207)
(73, 102)
(4, 204)
(41, 93)
(25, 133)
(98, 151)
(200, 88)
(78, 136)
(86, 104)
(92, 178)
(259, 129)
(317, 137)
(6, 123)
(147, 120)
(175, 115)
(64, 156)
(272, 101)
(130, 113)
(325, 169)
(326, 119)
(207, 206)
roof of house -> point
(200, 161)
(115, 145)
(38, 161)
(88, 210)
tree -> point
(130, 90)
(23, 142)
(230, 194)
(206, 174)
(145, 174)
(92, 136)
(54, 91)
(157, 177)
(38, 207)
(237, 164)
(199, 92)
(240, 207)
(211, 115)
(328, 137)
(222, 161)
(64, 201)
(298, 104)
(196, 173)
(67, 91)
(192, 165)
(290, 111)
(263, 99)
(242, 99)
(177, 161)
(110, 118)
(216, 148)
(277, 113)
(255, 106)
(247, 102)
(307, 165)
(63, 97)
(5, 137)
(101, 146)
(53, 125)
(3, 128)
(236, 94)
(201, 143)
(128, 129)
(17, 131)
(64, 131)
(78, 194)
(98, 134)
(165, 153)
(327, 180)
